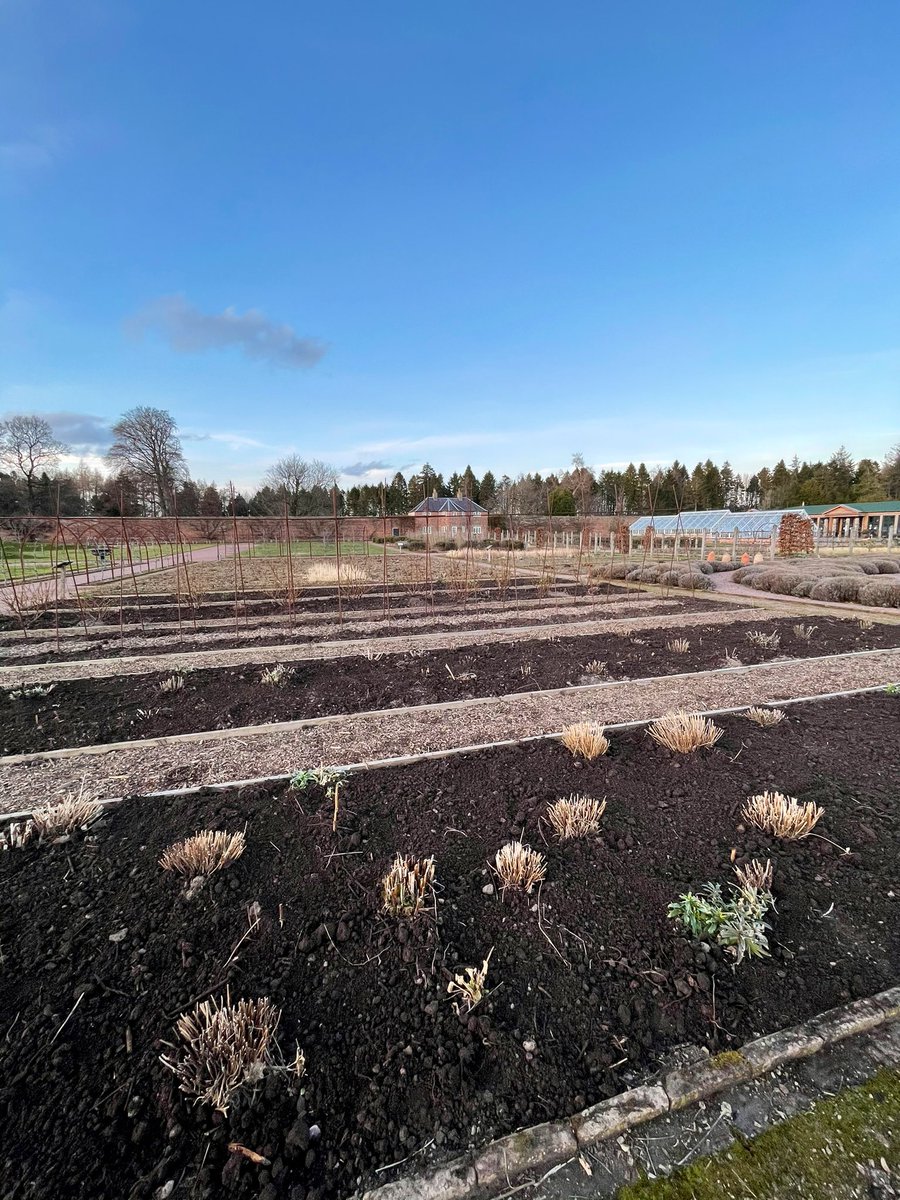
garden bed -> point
(225, 637)
(110, 608)
(590, 983)
(93, 711)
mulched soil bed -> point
(168, 641)
(152, 609)
(88, 712)
(591, 984)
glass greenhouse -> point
(719, 522)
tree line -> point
(148, 476)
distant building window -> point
(476, 529)
(395, 532)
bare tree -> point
(147, 448)
(295, 478)
(27, 444)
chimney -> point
(434, 493)
(459, 493)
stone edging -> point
(501, 1163)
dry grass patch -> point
(407, 886)
(204, 853)
(782, 816)
(172, 684)
(755, 874)
(575, 816)
(225, 1046)
(328, 572)
(684, 732)
(678, 645)
(765, 717)
(519, 867)
(76, 811)
(585, 739)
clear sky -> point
(489, 231)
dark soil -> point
(153, 609)
(590, 983)
(107, 645)
(93, 711)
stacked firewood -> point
(795, 535)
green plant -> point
(737, 923)
(329, 779)
(892, 689)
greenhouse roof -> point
(718, 520)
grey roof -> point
(448, 504)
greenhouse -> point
(715, 523)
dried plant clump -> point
(519, 866)
(204, 853)
(765, 641)
(467, 986)
(684, 732)
(765, 717)
(805, 632)
(70, 814)
(173, 683)
(575, 816)
(755, 874)
(225, 1046)
(678, 645)
(276, 676)
(730, 659)
(596, 667)
(585, 739)
(782, 816)
(407, 886)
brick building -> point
(450, 518)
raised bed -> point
(591, 983)
(155, 640)
(94, 711)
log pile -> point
(795, 535)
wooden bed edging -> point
(249, 731)
(405, 760)
(500, 1164)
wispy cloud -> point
(358, 469)
(188, 330)
(22, 158)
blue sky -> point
(485, 232)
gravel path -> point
(99, 668)
(171, 763)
